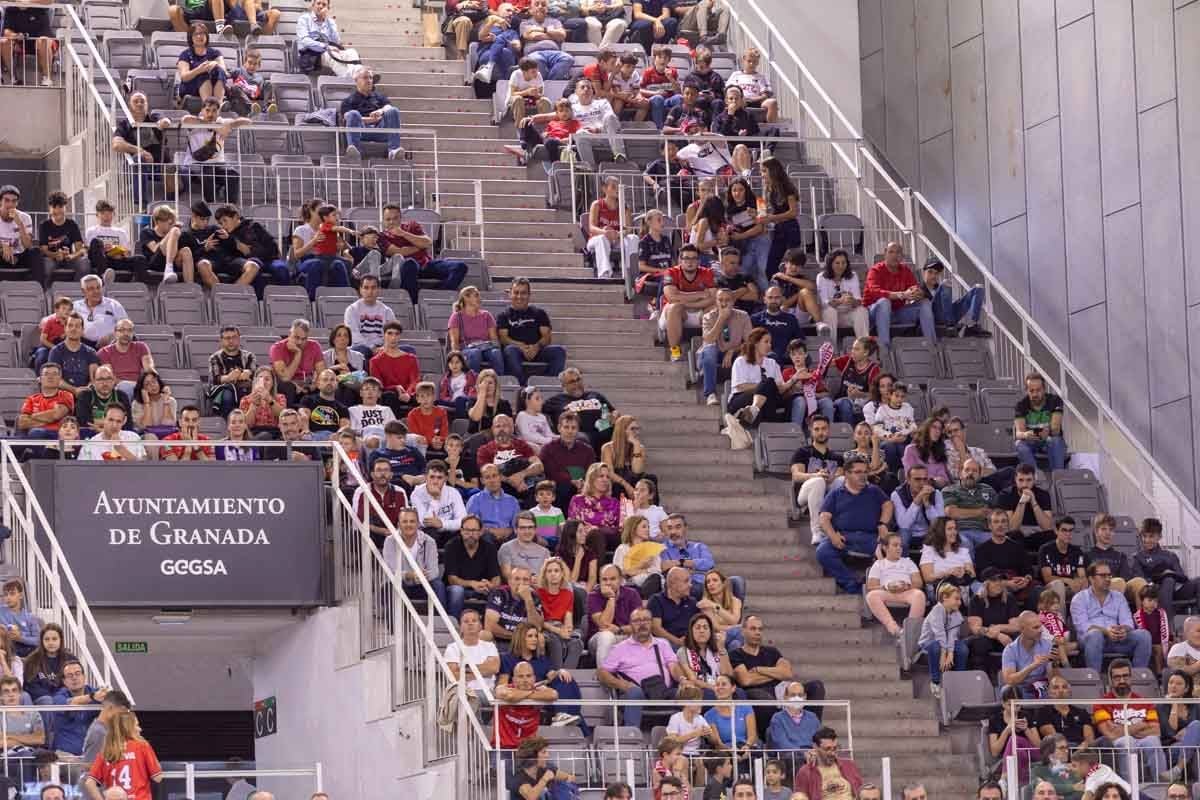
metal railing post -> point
(479, 218)
(190, 780)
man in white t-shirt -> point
(16, 236)
(100, 314)
(1185, 655)
(112, 443)
(596, 116)
(482, 654)
(370, 416)
(366, 316)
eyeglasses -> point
(1103, 574)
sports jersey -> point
(137, 766)
(703, 279)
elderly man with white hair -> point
(1185, 655)
(100, 313)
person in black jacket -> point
(247, 249)
(367, 108)
(735, 120)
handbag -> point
(655, 687)
(207, 150)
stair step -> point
(537, 259)
(523, 187)
(690, 455)
(778, 571)
(464, 197)
(792, 602)
(409, 58)
(704, 504)
(897, 746)
(497, 216)
(852, 691)
(542, 273)
(441, 104)
(412, 84)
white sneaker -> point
(712, 400)
(47, 81)
(561, 720)
(824, 331)
(352, 152)
(396, 154)
(484, 73)
(109, 277)
(935, 689)
(169, 275)
(739, 438)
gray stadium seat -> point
(998, 404)
(293, 93)
(332, 90)
(9, 348)
(125, 51)
(1078, 494)
(260, 345)
(161, 341)
(331, 309)
(774, 445)
(968, 694)
(136, 299)
(22, 303)
(429, 355)
(840, 230)
(916, 360)
(1085, 683)
(234, 304)
(165, 47)
(841, 437)
(282, 304)
(274, 51)
(181, 304)
(968, 359)
(959, 399)
(186, 386)
(198, 347)
(16, 383)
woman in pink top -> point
(595, 506)
(472, 331)
(928, 448)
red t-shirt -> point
(555, 607)
(557, 129)
(403, 370)
(309, 358)
(328, 246)
(133, 773)
(431, 426)
(595, 74)
(386, 239)
(881, 281)
(653, 79)
(514, 724)
(37, 403)
(705, 279)
(492, 453)
(126, 366)
(53, 328)
(177, 450)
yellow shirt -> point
(833, 785)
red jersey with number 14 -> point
(133, 773)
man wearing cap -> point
(962, 313)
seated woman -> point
(858, 368)
(625, 455)
(155, 411)
(732, 729)
(201, 71)
(562, 636)
(746, 233)
(604, 227)
(866, 445)
(724, 607)
(703, 657)
(595, 506)
(878, 391)
(710, 232)
(928, 449)
(758, 389)
(263, 405)
(346, 362)
(471, 330)
(1054, 767)
(1006, 738)
(581, 553)
(840, 293)
(894, 580)
(1179, 725)
(527, 645)
(488, 403)
(793, 727)
(236, 430)
(944, 557)
(644, 574)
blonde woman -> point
(720, 603)
(563, 642)
(625, 455)
(595, 506)
(471, 331)
(488, 403)
(646, 574)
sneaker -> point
(169, 275)
(256, 29)
(977, 331)
(747, 414)
(561, 720)
(676, 353)
(935, 689)
(620, 157)
(1171, 775)
(824, 331)
(484, 73)
(352, 152)
(272, 109)
(712, 400)
(47, 81)
(222, 27)
(255, 109)
(109, 277)
(396, 154)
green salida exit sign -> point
(131, 647)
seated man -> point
(70, 727)
(390, 497)
(367, 108)
(496, 507)
(566, 459)
(1027, 662)
(893, 297)
(1010, 558)
(76, 361)
(596, 414)
(724, 328)
(113, 443)
(516, 723)
(816, 468)
(514, 457)
(1028, 507)
(61, 241)
(610, 607)
(411, 252)
(637, 662)
(475, 651)
(854, 519)
(408, 465)
(918, 503)
(1103, 623)
(526, 334)
(189, 431)
(1103, 527)
(440, 507)
(1061, 564)
(472, 567)
(42, 411)
(510, 605)
(1037, 424)
(93, 402)
(17, 247)
(1062, 718)
(542, 35)
(729, 276)
(24, 729)
(425, 554)
(689, 290)
(126, 358)
(366, 318)
(1134, 726)
(969, 503)
(159, 244)
(673, 608)
(397, 370)
(1154, 563)
(522, 550)
(297, 361)
(246, 250)
(961, 315)
(826, 775)
(694, 556)
(959, 450)
(763, 672)
(781, 324)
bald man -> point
(1027, 661)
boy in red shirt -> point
(398, 370)
(660, 85)
(429, 421)
(560, 124)
(600, 73)
(51, 331)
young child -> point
(348, 439)
(23, 626)
(1050, 613)
(549, 517)
(942, 636)
(109, 247)
(51, 330)
(546, 146)
(660, 85)
(755, 86)
(720, 776)
(365, 254)
(429, 421)
(247, 91)
(670, 761)
(773, 788)
(799, 292)
(369, 417)
(461, 473)
(527, 91)
(811, 376)
(60, 239)
(601, 73)
(1149, 617)
(531, 424)
(627, 89)
(894, 423)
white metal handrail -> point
(28, 525)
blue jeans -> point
(323, 271)
(476, 354)
(884, 317)
(710, 367)
(843, 410)
(554, 355)
(934, 651)
(800, 409)
(659, 106)
(1136, 645)
(456, 599)
(642, 31)
(449, 272)
(832, 560)
(892, 453)
(391, 119)
(500, 54)
(754, 259)
(948, 311)
(632, 714)
(554, 65)
(1054, 447)
(415, 591)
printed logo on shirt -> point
(373, 416)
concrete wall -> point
(834, 63)
(42, 123)
(1052, 135)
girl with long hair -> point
(944, 557)
(456, 392)
(840, 293)
(488, 402)
(725, 609)
(127, 761)
(43, 667)
(625, 454)
(858, 369)
(783, 203)
(747, 232)
(563, 640)
(928, 449)
(581, 551)
(758, 390)
(711, 230)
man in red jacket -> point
(825, 776)
(893, 295)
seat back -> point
(282, 304)
(840, 230)
(774, 445)
(22, 303)
(998, 403)
(1085, 683)
(182, 304)
(959, 399)
(841, 437)
(968, 688)
(162, 344)
(916, 360)
(968, 359)
(186, 386)
(332, 90)
(136, 299)
(16, 383)
(293, 93)
(235, 304)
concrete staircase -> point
(741, 518)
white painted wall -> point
(833, 57)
